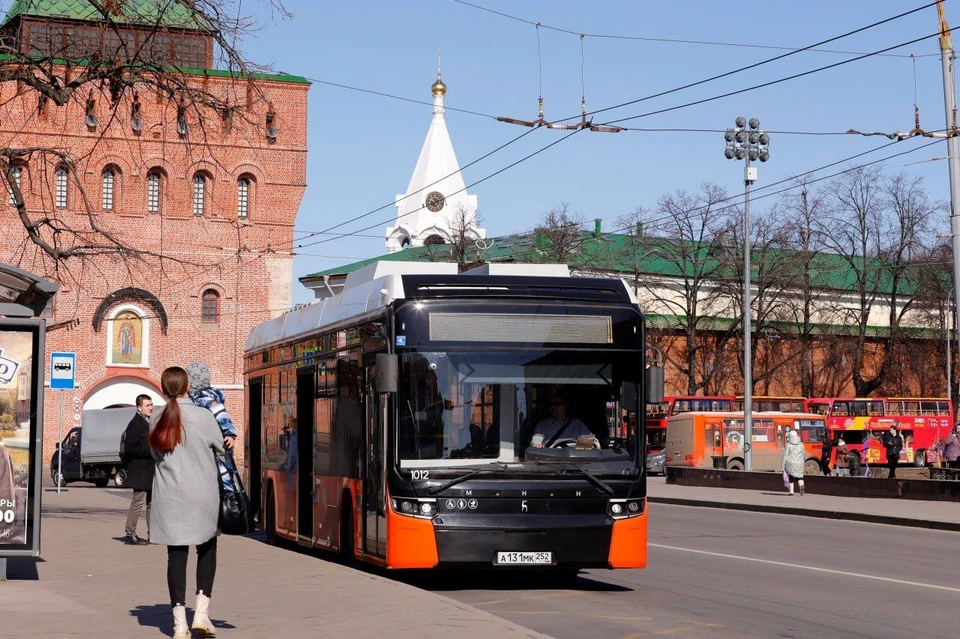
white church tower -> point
(436, 204)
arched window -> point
(433, 240)
(16, 173)
(61, 177)
(200, 194)
(154, 190)
(210, 309)
(108, 188)
(244, 188)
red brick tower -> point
(208, 205)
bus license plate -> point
(524, 558)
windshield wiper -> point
(596, 481)
(463, 478)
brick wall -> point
(246, 261)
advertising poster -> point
(19, 343)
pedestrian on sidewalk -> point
(825, 453)
(139, 462)
(794, 457)
(952, 447)
(893, 442)
(186, 497)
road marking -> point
(673, 631)
(812, 568)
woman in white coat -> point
(794, 457)
(186, 497)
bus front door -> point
(254, 442)
(374, 503)
(306, 394)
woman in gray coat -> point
(186, 497)
(794, 457)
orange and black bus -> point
(406, 421)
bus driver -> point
(558, 426)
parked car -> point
(656, 462)
(92, 451)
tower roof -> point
(166, 13)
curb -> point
(807, 512)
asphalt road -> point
(717, 573)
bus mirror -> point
(629, 395)
(387, 373)
(653, 383)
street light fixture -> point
(747, 142)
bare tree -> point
(682, 281)
(770, 283)
(807, 304)
(559, 234)
(463, 247)
(878, 228)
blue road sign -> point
(63, 371)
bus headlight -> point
(623, 508)
(414, 507)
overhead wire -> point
(327, 230)
(778, 81)
(738, 199)
(468, 186)
(763, 85)
(607, 36)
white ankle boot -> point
(180, 628)
(201, 617)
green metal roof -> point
(628, 254)
(169, 13)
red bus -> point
(659, 413)
(923, 422)
(772, 404)
(423, 418)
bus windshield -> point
(516, 407)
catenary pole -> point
(947, 58)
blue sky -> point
(363, 148)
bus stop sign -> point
(63, 371)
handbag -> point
(236, 512)
(786, 479)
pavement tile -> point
(822, 505)
(91, 585)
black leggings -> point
(177, 570)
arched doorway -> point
(121, 391)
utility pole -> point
(947, 58)
(747, 144)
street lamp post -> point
(747, 142)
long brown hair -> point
(169, 430)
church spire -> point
(436, 203)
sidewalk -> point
(91, 585)
(899, 512)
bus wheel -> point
(735, 464)
(270, 519)
(920, 458)
(120, 479)
(346, 530)
(812, 467)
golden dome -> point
(439, 88)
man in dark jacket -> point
(825, 453)
(893, 442)
(140, 467)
